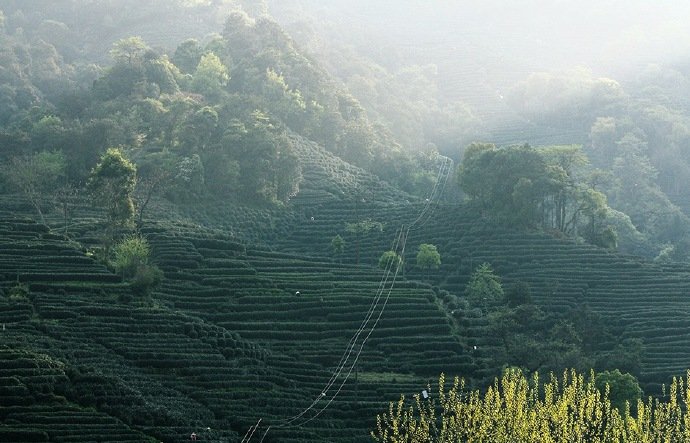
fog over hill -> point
(479, 50)
(220, 218)
(610, 37)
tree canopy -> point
(535, 187)
(36, 176)
(390, 261)
(428, 257)
(112, 184)
(484, 287)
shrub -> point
(146, 279)
(130, 254)
(132, 261)
(519, 294)
(389, 260)
(428, 257)
(19, 291)
(484, 286)
(623, 388)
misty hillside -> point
(264, 221)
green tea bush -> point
(19, 291)
(129, 254)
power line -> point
(250, 432)
(399, 243)
(361, 347)
(353, 341)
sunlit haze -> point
(607, 36)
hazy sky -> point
(608, 36)
(483, 48)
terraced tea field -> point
(638, 298)
(255, 313)
(224, 341)
(304, 311)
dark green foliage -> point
(626, 356)
(187, 55)
(519, 293)
(608, 238)
(121, 80)
(531, 187)
(390, 261)
(19, 291)
(484, 287)
(622, 389)
(268, 168)
(338, 245)
(111, 184)
(146, 278)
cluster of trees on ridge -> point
(538, 188)
(213, 117)
(634, 129)
(537, 340)
(190, 114)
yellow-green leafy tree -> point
(520, 410)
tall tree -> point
(187, 55)
(35, 176)
(361, 228)
(428, 257)
(210, 76)
(565, 163)
(484, 287)
(129, 50)
(112, 184)
(269, 169)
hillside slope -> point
(637, 299)
(225, 340)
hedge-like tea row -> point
(312, 328)
(643, 298)
(173, 354)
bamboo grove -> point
(517, 409)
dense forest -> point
(242, 219)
